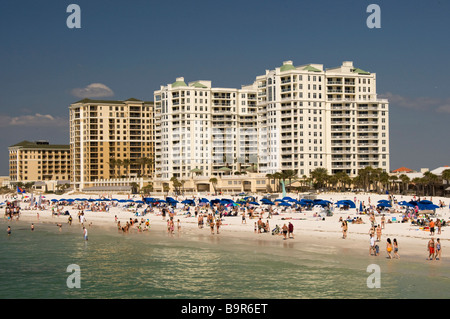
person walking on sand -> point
(395, 243)
(389, 247)
(431, 227)
(439, 226)
(431, 252)
(285, 230)
(291, 230)
(344, 229)
(218, 223)
(259, 225)
(211, 225)
(438, 249)
(372, 246)
(378, 233)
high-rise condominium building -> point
(309, 117)
(111, 139)
(38, 161)
(291, 118)
(204, 130)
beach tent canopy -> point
(405, 203)
(344, 202)
(284, 204)
(322, 203)
(188, 202)
(383, 204)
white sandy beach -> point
(308, 228)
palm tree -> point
(367, 177)
(392, 183)
(320, 176)
(289, 175)
(146, 161)
(431, 179)
(148, 188)
(134, 188)
(166, 188)
(269, 177)
(418, 182)
(383, 178)
(342, 178)
(112, 165)
(405, 181)
(333, 180)
(214, 181)
(277, 176)
(126, 164)
(176, 184)
(446, 175)
(117, 163)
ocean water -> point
(197, 265)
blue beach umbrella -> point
(284, 204)
(347, 202)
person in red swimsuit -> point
(431, 255)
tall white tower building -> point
(309, 117)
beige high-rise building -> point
(38, 161)
(111, 140)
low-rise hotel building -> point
(38, 161)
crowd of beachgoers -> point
(258, 214)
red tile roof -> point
(403, 169)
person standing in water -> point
(85, 233)
(431, 251)
(396, 249)
(389, 247)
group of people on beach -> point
(391, 247)
(211, 221)
(434, 249)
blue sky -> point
(133, 47)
